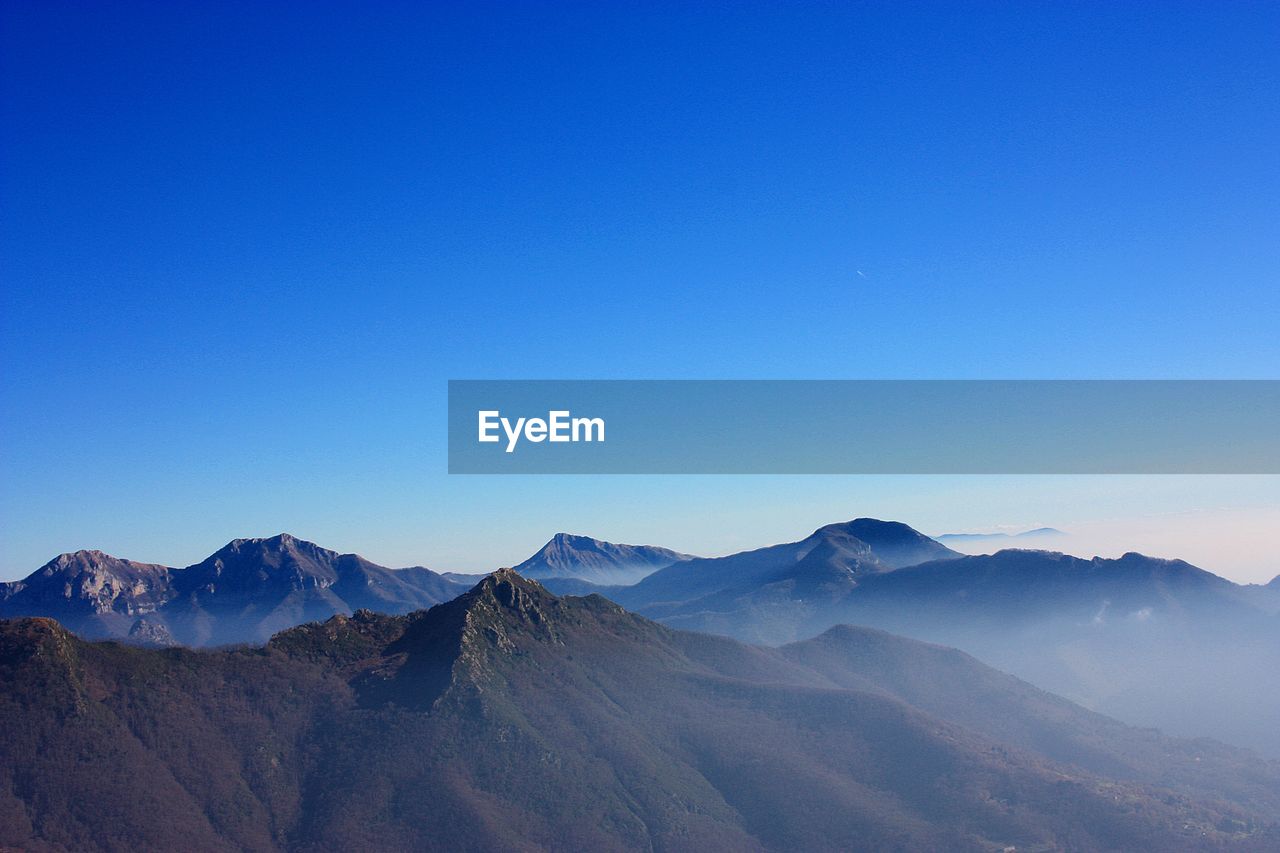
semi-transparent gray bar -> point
(864, 427)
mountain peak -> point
(568, 555)
(873, 527)
(506, 583)
(893, 543)
(456, 644)
(506, 593)
(573, 539)
(84, 555)
(283, 549)
(93, 560)
(280, 543)
(275, 566)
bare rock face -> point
(151, 634)
(91, 582)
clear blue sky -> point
(243, 248)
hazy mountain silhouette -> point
(568, 556)
(1002, 538)
(512, 719)
(952, 685)
(1152, 641)
(245, 592)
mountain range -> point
(1152, 642)
(509, 718)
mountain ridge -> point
(1153, 642)
(245, 591)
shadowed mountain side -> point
(509, 718)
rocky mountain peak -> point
(76, 562)
(505, 594)
(90, 582)
(83, 557)
(150, 633)
(572, 540)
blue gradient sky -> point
(242, 248)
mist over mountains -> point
(509, 718)
(1152, 642)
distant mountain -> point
(778, 588)
(1038, 533)
(244, 593)
(512, 719)
(150, 633)
(468, 579)
(568, 556)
